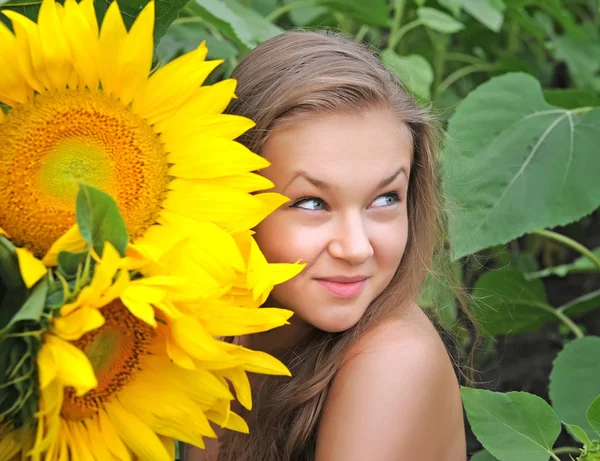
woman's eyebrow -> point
(324, 185)
(390, 179)
(319, 183)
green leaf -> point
(505, 303)
(223, 18)
(264, 7)
(69, 262)
(483, 455)
(414, 71)
(32, 308)
(582, 304)
(439, 21)
(571, 98)
(183, 38)
(99, 219)
(454, 6)
(593, 415)
(166, 11)
(487, 12)
(373, 12)
(581, 264)
(516, 426)
(500, 164)
(578, 433)
(13, 291)
(574, 381)
(301, 17)
(261, 28)
(582, 56)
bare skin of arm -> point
(396, 398)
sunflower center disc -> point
(61, 138)
(115, 351)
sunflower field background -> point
(516, 84)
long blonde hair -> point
(285, 78)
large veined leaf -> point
(413, 70)
(505, 303)
(575, 381)
(483, 455)
(514, 164)
(166, 11)
(219, 14)
(261, 28)
(516, 426)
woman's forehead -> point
(369, 145)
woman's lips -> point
(342, 289)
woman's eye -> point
(309, 203)
(386, 200)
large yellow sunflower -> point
(132, 364)
(83, 108)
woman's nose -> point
(351, 241)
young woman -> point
(372, 379)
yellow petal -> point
(87, 8)
(134, 57)
(233, 422)
(169, 444)
(210, 99)
(10, 445)
(140, 439)
(140, 309)
(13, 87)
(115, 290)
(231, 209)
(72, 366)
(171, 86)
(97, 445)
(237, 321)
(245, 182)
(80, 442)
(30, 56)
(47, 368)
(217, 126)
(112, 36)
(78, 323)
(111, 437)
(83, 39)
(179, 356)
(70, 241)
(206, 102)
(257, 361)
(206, 157)
(57, 53)
(241, 384)
(32, 269)
(189, 334)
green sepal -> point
(69, 263)
(33, 307)
(99, 219)
(18, 375)
(13, 291)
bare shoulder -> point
(396, 397)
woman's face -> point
(346, 177)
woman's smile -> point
(343, 287)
